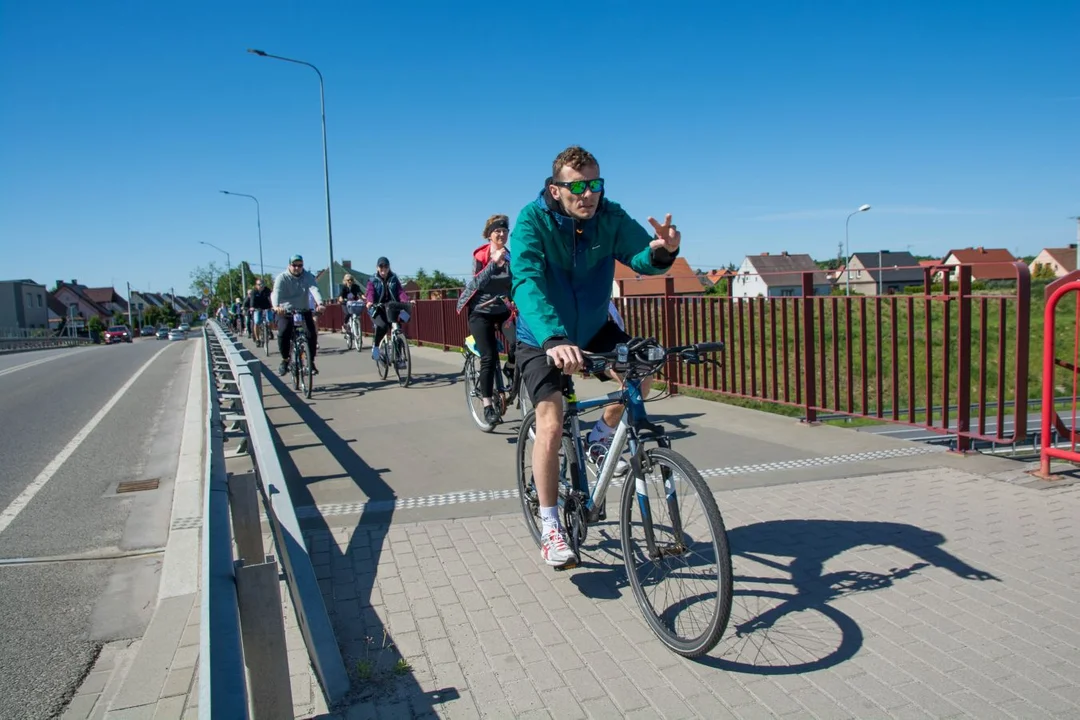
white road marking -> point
(8, 371)
(19, 504)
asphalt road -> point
(54, 616)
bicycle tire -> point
(301, 370)
(266, 337)
(530, 506)
(296, 368)
(402, 357)
(472, 377)
(714, 629)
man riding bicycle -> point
(293, 287)
(487, 296)
(260, 304)
(383, 287)
(566, 243)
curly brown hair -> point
(574, 157)
(493, 222)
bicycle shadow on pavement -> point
(347, 576)
(782, 619)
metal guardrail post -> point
(312, 617)
(244, 507)
(263, 627)
(222, 685)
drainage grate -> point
(138, 485)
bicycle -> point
(580, 507)
(354, 335)
(302, 369)
(395, 346)
(266, 335)
(505, 394)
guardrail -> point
(1060, 356)
(24, 344)
(255, 587)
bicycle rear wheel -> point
(402, 361)
(698, 557)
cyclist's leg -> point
(256, 320)
(544, 386)
(483, 331)
(509, 331)
(285, 339)
(309, 320)
(381, 328)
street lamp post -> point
(258, 223)
(326, 164)
(228, 268)
(847, 248)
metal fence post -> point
(262, 627)
(810, 374)
(963, 361)
(671, 333)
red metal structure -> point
(947, 358)
(1051, 418)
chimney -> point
(764, 254)
(784, 253)
(74, 281)
(59, 283)
(347, 264)
(982, 251)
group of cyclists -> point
(550, 297)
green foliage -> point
(95, 325)
(1043, 273)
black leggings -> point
(285, 333)
(483, 327)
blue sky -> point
(758, 125)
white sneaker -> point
(555, 551)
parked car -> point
(185, 327)
(117, 334)
(149, 331)
(163, 333)
(177, 334)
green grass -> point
(766, 344)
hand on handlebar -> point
(568, 358)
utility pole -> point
(129, 304)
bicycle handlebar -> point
(643, 356)
(392, 305)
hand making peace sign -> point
(667, 235)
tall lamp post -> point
(326, 164)
(228, 266)
(847, 248)
(258, 223)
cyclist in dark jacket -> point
(383, 287)
(487, 295)
(260, 303)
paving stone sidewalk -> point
(928, 593)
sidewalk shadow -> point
(782, 620)
(377, 668)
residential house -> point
(835, 275)
(23, 305)
(322, 278)
(73, 295)
(780, 275)
(714, 276)
(109, 299)
(1061, 261)
(987, 264)
(628, 283)
(871, 273)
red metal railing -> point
(1052, 423)
(947, 358)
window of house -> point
(787, 292)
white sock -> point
(600, 431)
(549, 517)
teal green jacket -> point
(563, 269)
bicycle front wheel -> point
(402, 361)
(679, 563)
(383, 365)
(526, 483)
(472, 394)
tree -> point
(224, 286)
(438, 280)
(95, 325)
(1043, 272)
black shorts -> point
(541, 380)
